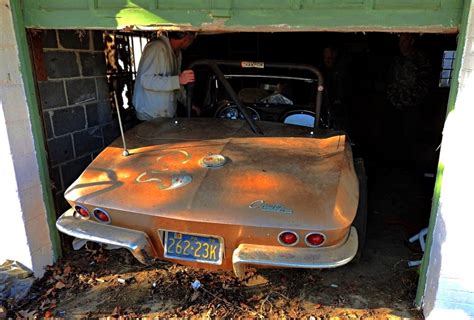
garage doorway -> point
(401, 171)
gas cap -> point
(213, 161)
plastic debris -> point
(125, 280)
(15, 280)
(334, 285)
(78, 243)
(196, 284)
(414, 263)
(3, 312)
(421, 236)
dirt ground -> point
(96, 283)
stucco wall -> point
(449, 292)
(24, 233)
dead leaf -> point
(50, 291)
(194, 296)
(255, 297)
(48, 314)
(117, 312)
(59, 285)
(67, 270)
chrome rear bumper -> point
(291, 257)
(137, 242)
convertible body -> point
(210, 193)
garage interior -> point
(401, 172)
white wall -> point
(449, 292)
(24, 233)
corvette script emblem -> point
(260, 204)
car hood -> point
(274, 181)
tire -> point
(360, 221)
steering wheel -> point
(231, 111)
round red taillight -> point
(288, 238)
(315, 239)
(83, 212)
(102, 215)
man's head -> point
(181, 39)
(406, 43)
(329, 57)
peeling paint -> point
(440, 16)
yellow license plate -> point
(191, 247)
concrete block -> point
(110, 132)
(56, 181)
(68, 120)
(48, 127)
(50, 39)
(74, 39)
(464, 76)
(7, 36)
(61, 204)
(60, 150)
(80, 90)
(72, 170)
(14, 103)
(61, 64)
(21, 137)
(455, 296)
(444, 312)
(93, 64)
(52, 94)
(37, 231)
(102, 88)
(98, 113)
(42, 258)
(26, 170)
(98, 39)
(9, 72)
(87, 141)
(32, 202)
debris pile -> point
(15, 283)
(96, 283)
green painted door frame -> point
(434, 16)
(439, 177)
(26, 68)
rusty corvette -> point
(224, 194)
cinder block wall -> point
(75, 104)
(449, 292)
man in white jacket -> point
(159, 82)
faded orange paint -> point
(311, 177)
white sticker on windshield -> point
(251, 64)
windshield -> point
(254, 85)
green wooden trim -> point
(36, 126)
(247, 15)
(437, 190)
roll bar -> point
(214, 65)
